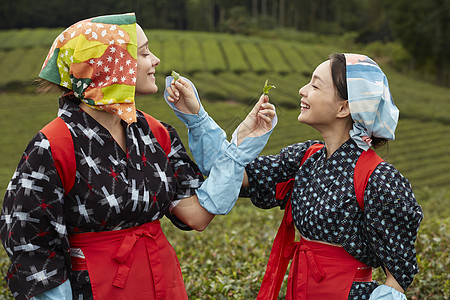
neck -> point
(334, 136)
(111, 122)
(107, 120)
(334, 141)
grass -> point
(228, 259)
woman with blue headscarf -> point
(341, 238)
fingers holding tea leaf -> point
(173, 92)
(263, 99)
(182, 95)
(267, 112)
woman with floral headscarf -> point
(98, 235)
(348, 101)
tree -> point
(423, 28)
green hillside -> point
(229, 72)
(233, 68)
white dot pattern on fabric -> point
(324, 206)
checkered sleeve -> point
(33, 230)
(393, 217)
(266, 171)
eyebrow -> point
(318, 78)
(143, 45)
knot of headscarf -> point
(97, 60)
(371, 105)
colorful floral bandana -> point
(97, 59)
(371, 105)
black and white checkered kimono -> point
(113, 190)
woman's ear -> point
(344, 109)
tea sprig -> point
(267, 87)
(175, 75)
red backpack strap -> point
(283, 188)
(366, 164)
(61, 146)
(160, 132)
(310, 151)
(277, 265)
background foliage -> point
(422, 27)
(228, 259)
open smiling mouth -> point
(304, 106)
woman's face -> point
(319, 104)
(146, 64)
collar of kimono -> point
(97, 60)
(371, 105)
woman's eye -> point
(314, 86)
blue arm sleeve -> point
(223, 161)
(207, 140)
(219, 192)
(61, 292)
(384, 292)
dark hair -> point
(46, 87)
(339, 75)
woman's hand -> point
(182, 95)
(258, 121)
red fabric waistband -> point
(110, 254)
(324, 249)
(80, 240)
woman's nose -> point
(156, 60)
(302, 91)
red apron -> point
(322, 271)
(318, 271)
(133, 263)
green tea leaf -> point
(267, 87)
(175, 75)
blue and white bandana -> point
(371, 105)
